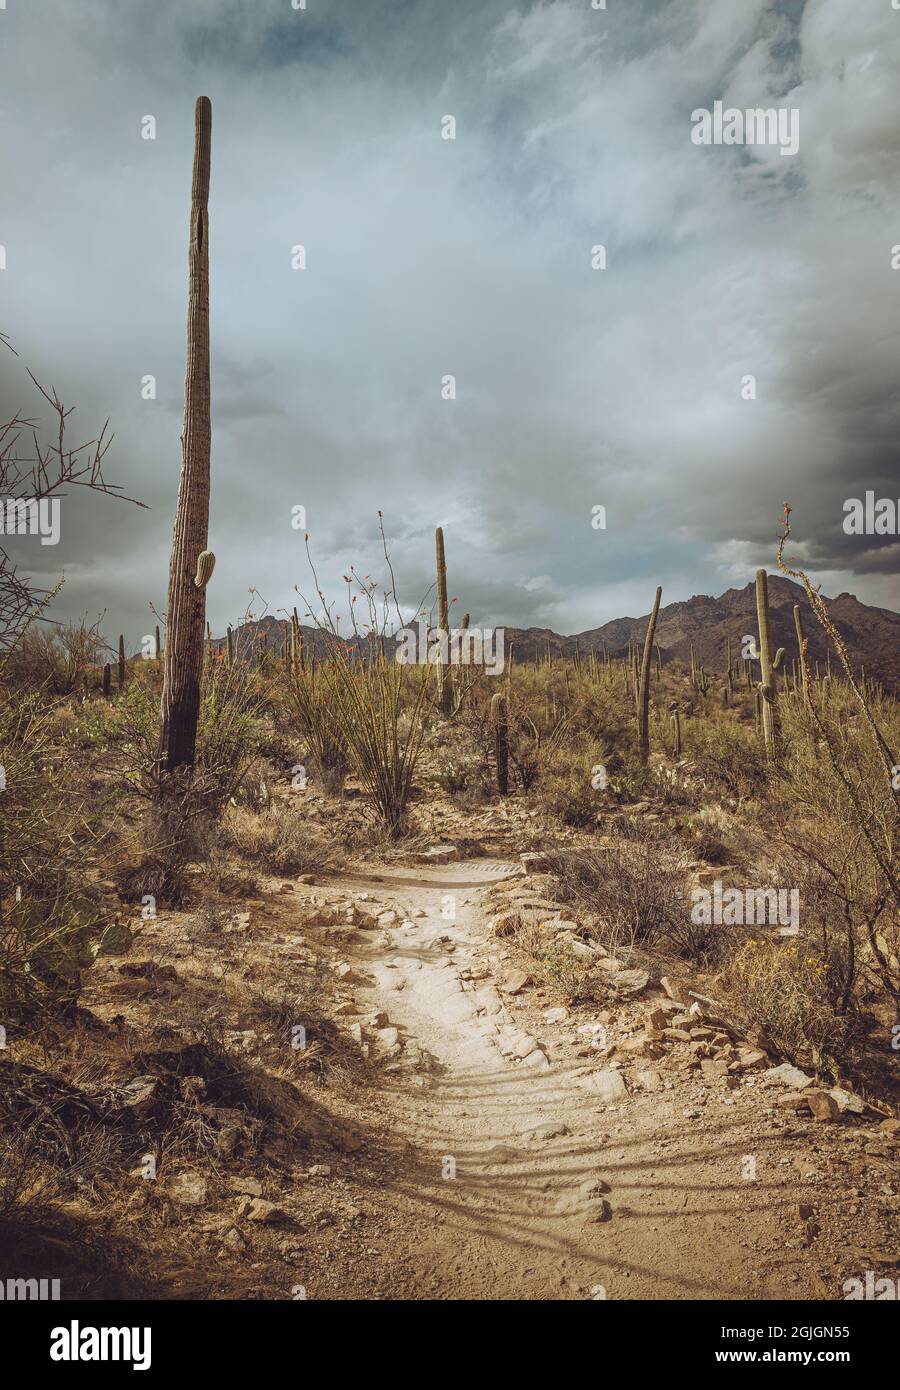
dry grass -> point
(277, 840)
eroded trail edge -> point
(626, 1152)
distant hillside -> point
(872, 635)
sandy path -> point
(524, 1185)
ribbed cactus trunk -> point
(445, 694)
(644, 689)
(766, 667)
(499, 718)
(120, 673)
(187, 598)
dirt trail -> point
(526, 1185)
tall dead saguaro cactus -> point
(191, 563)
(120, 673)
(500, 721)
(644, 690)
(445, 694)
(768, 665)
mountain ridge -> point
(704, 621)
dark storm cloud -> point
(426, 257)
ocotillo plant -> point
(644, 693)
(443, 681)
(156, 647)
(120, 674)
(767, 668)
(501, 742)
(187, 575)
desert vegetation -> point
(722, 832)
(633, 780)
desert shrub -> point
(708, 836)
(228, 736)
(49, 927)
(567, 792)
(793, 989)
(258, 783)
(181, 813)
(453, 776)
(726, 753)
(636, 890)
(837, 813)
(58, 658)
(278, 839)
(308, 697)
(554, 963)
(537, 732)
(607, 714)
(381, 711)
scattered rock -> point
(788, 1075)
(607, 1086)
(676, 989)
(648, 1080)
(258, 1210)
(139, 1096)
(631, 981)
(247, 1187)
(188, 1189)
(550, 1129)
(500, 1154)
(439, 854)
(823, 1105)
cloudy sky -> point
(428, 257)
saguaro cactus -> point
(229, 646)
(187, 598)
(676, 729)
(803, 644)
(644, 690)
(156, 647)
(445, 694)
(501, 742)
(767, 668)
(120, 673)
(107, 676)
